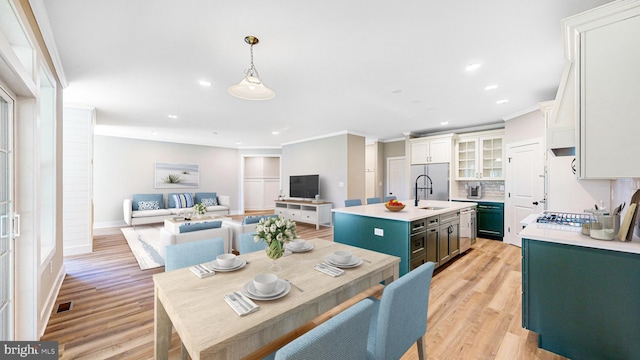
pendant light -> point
(251, 87)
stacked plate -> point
(238, 264)
(355, 261)
(282, 288)
(306, 247)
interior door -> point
(524, 186)
(397, 177)
(6, 215)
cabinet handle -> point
(417, 250)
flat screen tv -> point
(304, 186)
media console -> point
(311, 212)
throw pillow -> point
(146, 197)
(200, 226)
(209, 202)
(183, 200)
(148, 205)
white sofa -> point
(167, 238)
(135, 217)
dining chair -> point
(373, 200)
(246, 244)
(178, 256)
(400, 316)
(352, 202)
(390, 197)
(342, 337)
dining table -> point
(210, 329)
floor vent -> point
(65, 307)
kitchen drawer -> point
(415, 262)
(418, 226)
(433, 221)
(418, 246)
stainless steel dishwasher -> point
(467, 228)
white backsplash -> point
(490, 189)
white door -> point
(397, 178)
(6, 215)
(524, 186)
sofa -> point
(247, 225)
(152, 208)
(195, 232)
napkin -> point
(241, 304)
(329, 270)
(202, 271)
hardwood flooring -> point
(474, 305)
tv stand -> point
(311, 212)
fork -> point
(233, 298)
(294, 285)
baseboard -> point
(78, 249)
(47, 309)
(109, 224)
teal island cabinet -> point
(580, 295)
(414, 234)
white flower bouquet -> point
(276, 232)
(199, 209)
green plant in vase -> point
(276, 232)
(199, 209)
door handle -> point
(535, 203)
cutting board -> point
(635, 199)
(626, 226)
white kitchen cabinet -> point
(479, 156)
(602, 44)
(431, 150)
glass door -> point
(6, 216)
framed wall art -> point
(176, 176)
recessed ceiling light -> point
(171, 116)
(491, 87)
(214, 132)
(444, 123)
(472, 67)
(152, 132)
(503, 101)
(238, 143)
(396, 91)
(275, 132)
(204, 83)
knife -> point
(242, 301)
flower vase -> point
(275, 252)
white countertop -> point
(483, 199)
(409, 213)
(542, 232)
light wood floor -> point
(474, 305)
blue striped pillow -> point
(183, 200)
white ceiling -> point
(369, 67)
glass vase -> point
(275, 250)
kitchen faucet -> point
(423, 188)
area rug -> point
(144, 242)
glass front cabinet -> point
(479, 156)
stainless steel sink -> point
(432, 208)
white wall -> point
(123, 167)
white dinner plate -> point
(355, 261)
(282, 288)
(307, 247)
(238, 264)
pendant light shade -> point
(251, 87)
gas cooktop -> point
(566, 219)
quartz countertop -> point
(409, 213)
(546, 232)
(483, 199)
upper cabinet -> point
(602, 45)
(479, 156)
(430, 150)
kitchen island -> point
(428, 232)
(579, 294)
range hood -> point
(561, 122)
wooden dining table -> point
(209, 328)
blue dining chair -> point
(391, 197)
(179, 256)
(373, 200)
(400, 316)
(352, 202)
(344, 336)
(246, 244)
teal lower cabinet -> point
(583, 303)
(361, 231)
